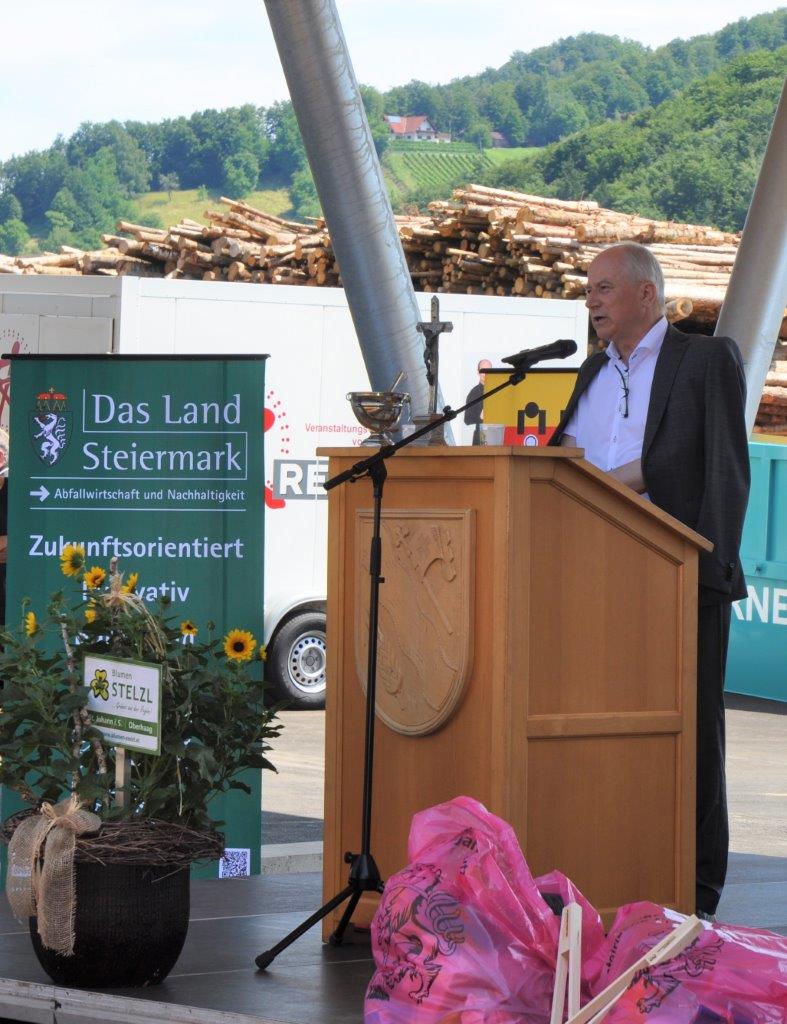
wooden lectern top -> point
(520, 452)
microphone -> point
(555, 350)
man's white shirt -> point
(609, 438)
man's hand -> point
(630, 474)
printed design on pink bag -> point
(467, 839)
(658, 982)
(417, 926)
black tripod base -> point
(364, 877)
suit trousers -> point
(712, 828)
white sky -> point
(94, 60)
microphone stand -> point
(364, 874)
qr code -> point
(235, 864)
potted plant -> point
(100, 861)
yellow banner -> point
(530, 411)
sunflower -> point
(263, 652)
(188, 628)
(239, 645)
(72, 559)
(95, 577)
(130, 586)
(90, 611)
(31, 624)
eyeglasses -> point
(623, 407)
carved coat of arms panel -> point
(425, 639)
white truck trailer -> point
(315, 360)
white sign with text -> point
(124, 700)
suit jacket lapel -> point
(672, 351)
(586, 376)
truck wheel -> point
(297, 662)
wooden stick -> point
(122, 776)
(569, 963)
(669, 947)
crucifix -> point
(431, 330)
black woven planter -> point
(131, 923)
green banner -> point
(159, 463)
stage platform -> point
(232, 920)
(215, 981)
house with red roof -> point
(417, 128)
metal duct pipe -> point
(757, 293)
(349, 181)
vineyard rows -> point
(436, 169)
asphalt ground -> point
(292, 799)
(757, 776)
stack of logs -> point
(495, 242)
(240, 244)
(484, 241)
(772, 413)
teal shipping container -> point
(757, 661)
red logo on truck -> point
(276, 426)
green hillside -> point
(502, 156)
(191, 204)
(542, 96)
(427, 171)
(694, 157)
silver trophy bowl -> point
(379, 412)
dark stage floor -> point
(233, 920)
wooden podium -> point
(537, 651)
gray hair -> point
(642, 266)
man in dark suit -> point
(475, 415)
(663, 412)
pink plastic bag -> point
(728, 975)
(462, 934)
(555, 884)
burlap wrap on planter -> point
(41, 870)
